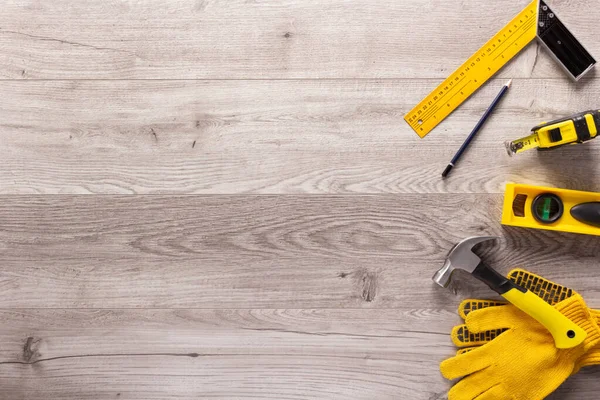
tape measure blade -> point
(524, 144)
(477, 70)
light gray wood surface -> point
(220, 199)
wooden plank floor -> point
(220, 199)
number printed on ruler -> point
(470, 76)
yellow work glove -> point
(592, 357)
(521, 363)
(550, 291)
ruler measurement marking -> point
(477, 70)
(519, 37)
(427, 115)
(521, 27)
(457, 92)
(526, 26)
(427, 111)
(431, 109)
(435, 103)
(445, 94)
(449, 90)
(448, 102)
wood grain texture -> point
(262, 251)
(274, 354)
(220, 199)
(276, 137)
(224, 354)
(237, 39)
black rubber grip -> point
(498, 283)
(587, 213)
(582, 129)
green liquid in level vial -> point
(546, 209)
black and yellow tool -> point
(575, 129)
(552, 209)
(552, 293)
(537, 20)
(565, 332)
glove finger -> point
(495, 393)
(472, 387)
(463, 337)
(468, 305)
(465, 364)
(493, 318)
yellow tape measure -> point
(578, 128)
(536, 20)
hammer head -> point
(460, 257)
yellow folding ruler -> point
(536, 20)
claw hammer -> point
(565, 332)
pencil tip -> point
(509, 83)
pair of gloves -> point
(504, 354)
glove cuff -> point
(577, 311)
(592, 357)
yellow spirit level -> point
(537, 20)
(575, 129)
(551, 209)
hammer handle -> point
(498, 283)
(565, 332)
